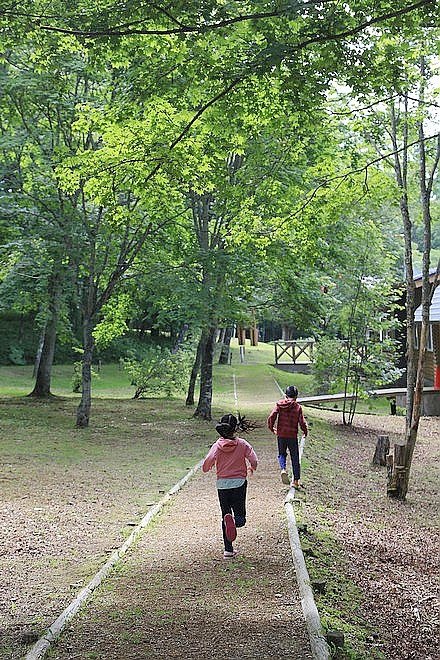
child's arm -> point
(251, 456)
(210, 458)
(272, 419)
(302, 422)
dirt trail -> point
(176, 597)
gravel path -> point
(176, 597)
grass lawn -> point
(110, 382)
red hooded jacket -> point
(285, 418)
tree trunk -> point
(83, 411)
(44, 370)
(241, 335)
(254, 330)
(180, 337)
(351, 380)
(401, 174)
(426, 180)
(203, 409)
(226, 346)
(195, 371)
(39, 351)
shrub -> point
(77, 373)
(328, 366)
(16, 355)
(162, 372)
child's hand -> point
(250, 471)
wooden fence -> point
(294, 351)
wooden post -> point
(391, 487)
(396, 471)
(242, 349)
(241, 334)
(382, 449)
(399, 465)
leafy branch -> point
(358, 170)
(127, 29)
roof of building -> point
(418, 277)
(434, 310)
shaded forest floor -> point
(379, 557)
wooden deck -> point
(389, 393)
(322, 398)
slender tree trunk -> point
(226, 346)
(221, 335)
(39, 351)
(180, 337)
(415, 370)
(195, 371)
(44, 370)
(83, 411)
(426, 183)
(241, 335)
(203, 409)
(411, 368)
(350, 381)
(401, 173)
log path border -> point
(318, 644)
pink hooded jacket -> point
(229, 455)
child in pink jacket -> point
(231, 456)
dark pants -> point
(290, 444)
(233, 500)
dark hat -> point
(292, 392)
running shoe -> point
(230, 529)
(229, 555)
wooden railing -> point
(293, 350)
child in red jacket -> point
(284, 421)
(231, 456)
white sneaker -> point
(285, 477)
(229, 555)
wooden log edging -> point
(40, 647)
(318, 644)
